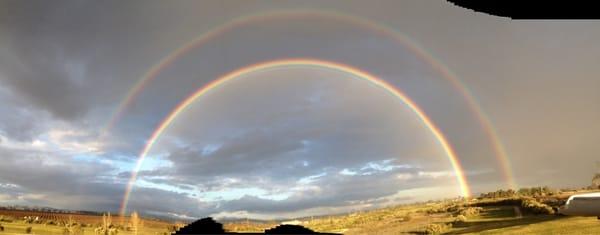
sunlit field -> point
(527, 211)
(27, 222)
(494, 213)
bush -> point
(28, 229)
(106, 231)
(453, 208)
(437, 228)
(459, 221)
(172, 228)
(6, 219)
(1, 228)
(499, 194)
(536, 207)
(470, 211)
(514, 201)
(450, 208)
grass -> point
(504, 215)
(497, 215)
(565, 225)
(20, 227)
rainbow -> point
(414, 47)
(166, 122)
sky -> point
(292, 140)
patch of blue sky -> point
(92, 158)
(165, 187)
(311, 178)
(121, 164)
(346, 171)
(385, 165)
(374, 167)
(210, 148)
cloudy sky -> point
(292, 140)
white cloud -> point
(435, 174)
(73, 141)
(405, 176)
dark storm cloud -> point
(69, 57)
(48, 85)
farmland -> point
(35, 222)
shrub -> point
(437, 228)
(470, 211)
(514, 201)
(499, 194)
(1, 228)
(106, 231)
(536, 207)
(76, 230)
(28, 229)
(28, 219)
(451, 208)
(459, 221)
(6, 219)
(172, 228)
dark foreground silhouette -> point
(210, 226)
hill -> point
(526, 211)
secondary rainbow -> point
(413, 46)
(166, 122)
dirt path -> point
(518, 213)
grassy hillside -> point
(527, 211)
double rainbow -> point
(166, 122)
(236, 23)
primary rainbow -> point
(414, 47)
(164, 124)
